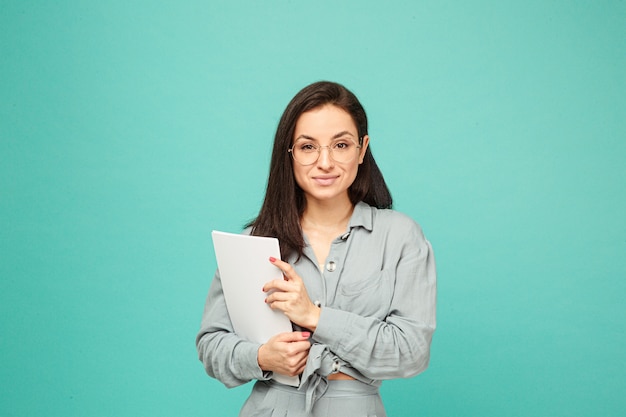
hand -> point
(289, 295)
(285, 353)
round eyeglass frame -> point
(359, 145)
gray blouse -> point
(377, 292)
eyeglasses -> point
(307, 152)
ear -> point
(364, 144)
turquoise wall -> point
(131, 129)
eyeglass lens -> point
(307, 152)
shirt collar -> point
(362, 216)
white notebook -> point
(243, 262)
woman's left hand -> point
(289, 295)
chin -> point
(327, 196)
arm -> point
(225, 355)
(399, 345)
(235, 361)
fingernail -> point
(272, 259)
(306, 334)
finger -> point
(288, 271)
(300, 344)
(297, 360)
(302, 364)
(280, 296)
(279, 285)
(303, 360)
(296, 367)
(293, 337)
(303, 348)
(298, 348)
(279, 305)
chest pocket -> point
(370, 297)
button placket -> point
(333, 269)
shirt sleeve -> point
(399, 345)
(225, 356)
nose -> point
(325, 159)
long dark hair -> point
(284, 200)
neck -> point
(327, 214)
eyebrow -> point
(336, 136)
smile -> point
(325, 180)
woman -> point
(359, 279)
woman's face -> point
(327, 180)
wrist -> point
(260, 356)
(314, 318)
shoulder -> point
(392, 217)
(396, 224)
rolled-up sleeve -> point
(225, 356)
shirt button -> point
(331, 266)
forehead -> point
(324, 122)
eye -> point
(307, 147)
(342, 145)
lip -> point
(325, 179)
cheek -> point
(354, 170)
(298, 175)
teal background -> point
(131, 129)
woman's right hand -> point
(285, 353)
